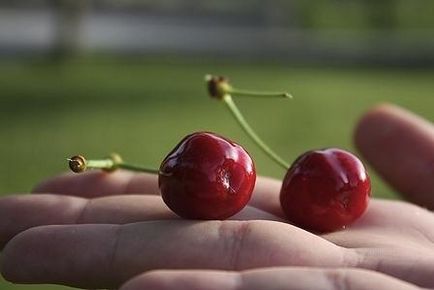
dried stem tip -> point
(218, 86)
(77, 163)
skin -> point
(90, 231)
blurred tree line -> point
(356, 14)
(393, 15)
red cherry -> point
(325, 190)
(206, 177)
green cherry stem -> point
(244, 93)
(229, 102)
(78, 164)
(219, 88)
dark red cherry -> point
(206, 177)
(325, 190)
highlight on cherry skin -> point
(205, 176)
(325, 190)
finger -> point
(390, 253)
(252, 213)
(18, 213)
(104, 256)
(400, 146)
(283, 278)
(381, 227)
(96, 183)
(414, 266)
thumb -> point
(400, 147)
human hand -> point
(108, 254)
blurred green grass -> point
(142, 108)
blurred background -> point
(94, 77)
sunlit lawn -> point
(142, 108)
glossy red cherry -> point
(325, 190)
(206, 177)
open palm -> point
(92, 232)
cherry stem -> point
(79, 164)
(136, 167)
(219, 88)
(227, 99)
(244, 93)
